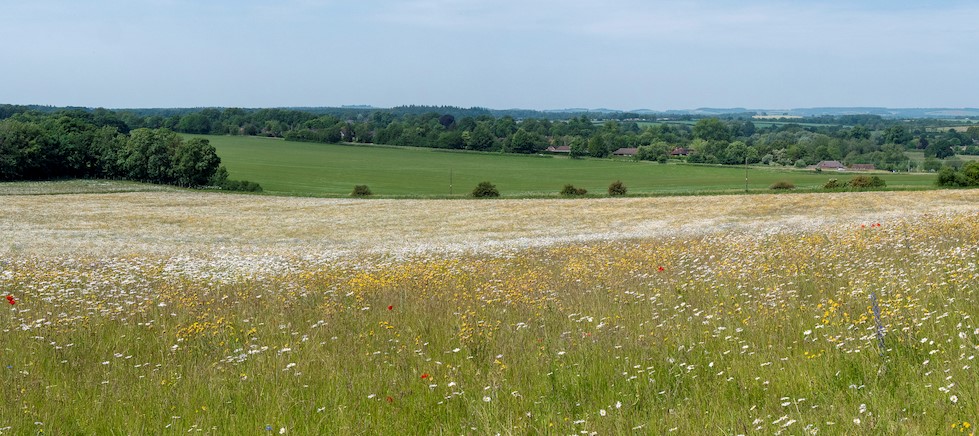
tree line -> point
(97, 145)
(730, 140)
(851, 139)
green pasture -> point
(919, 156)
(310, 169)
(758, 123)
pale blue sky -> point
(536, 54)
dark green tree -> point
(940, 149)
(481, 138)
(597, 147)
(148, 155)
(711, 129)
(578, 148)
(526, 142)
(195, 162)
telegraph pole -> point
(746, 171)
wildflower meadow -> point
(173, 312)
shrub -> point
(782, 184)
(616, 189)
(569, 190)
(931, 164)
(485, 190)
(950, 178)
(800, 163)
(833, 184)
(864, 182)
(967, 176)
(361, 191)
(240, 185)
(971, 173)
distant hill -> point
(837, 111)
(7, 110)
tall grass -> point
(718, 333)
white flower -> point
(602, 412)
(856, 421)
(954, 399)
(807, 332)
(618, 404)
(863, 408)
(487, 399)
(282, 430)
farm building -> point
(679, 151)
(831, 165)
(863, 167)
(559, 149)
(625, 151)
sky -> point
(499, 54)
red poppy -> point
(391, 307)
(424, 376)
(660, 269)
(863, 226)
(389, 399)
(10, 299)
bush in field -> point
(569, 191)
(971, 173)
(782, 185)
(864, 182)
(361, 191)
(485, 190)
(967, 176)
(220, 181)
(833, 184)
(241, 185)
(616, 189)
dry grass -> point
(194, 222)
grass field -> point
(195, 312)
(919, 156)
(333, 170)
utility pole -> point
(450, 181)
(746, 171)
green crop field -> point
(757, 123)
(919, 156)
(297, 168)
